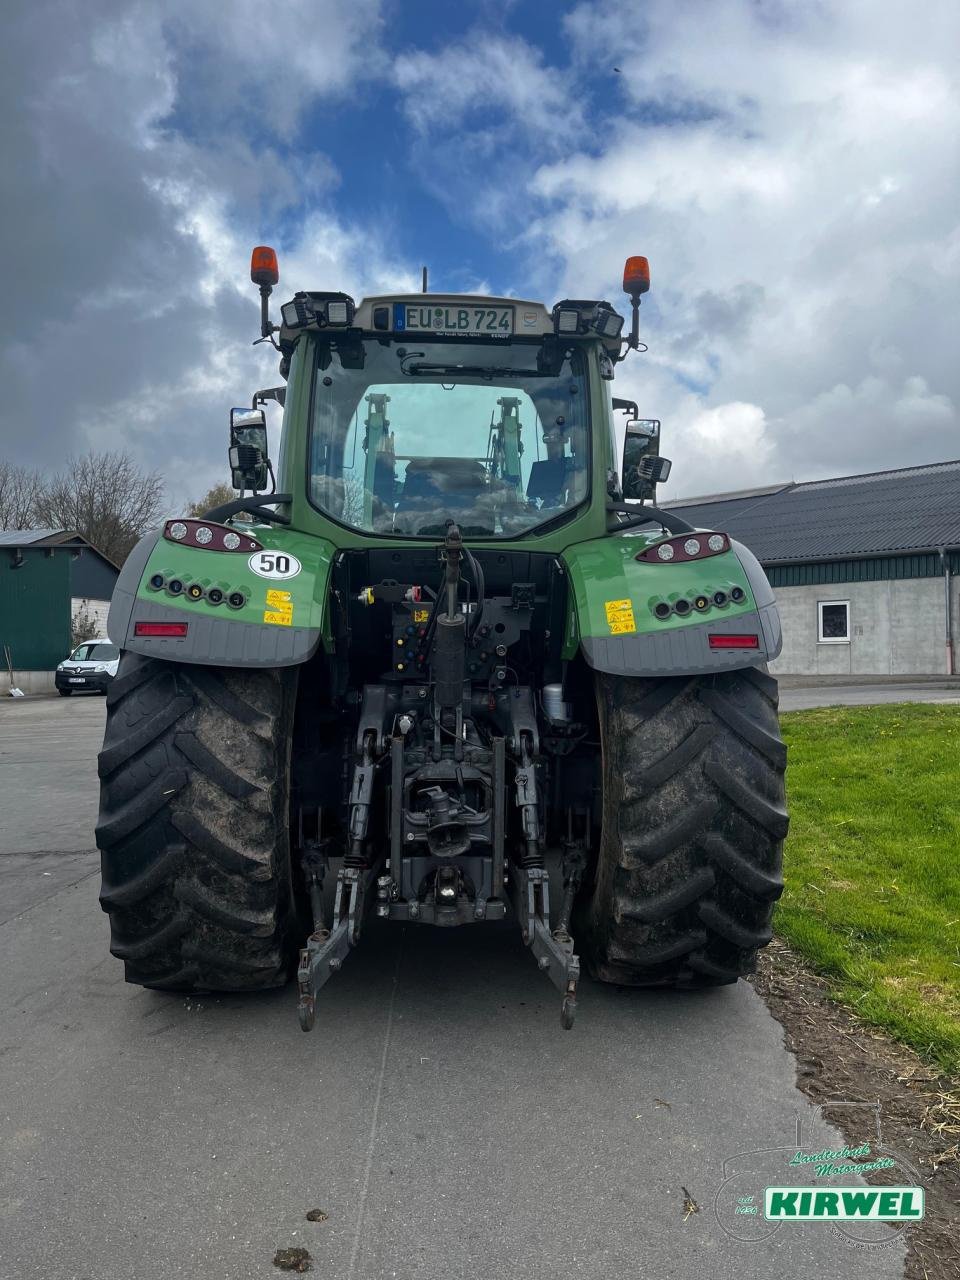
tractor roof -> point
(468, 316)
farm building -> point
(54, 585)
(864, 567)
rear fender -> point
(611, 609)
(281, 622)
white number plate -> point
(274, 564)
(466, 322)
(76, 680)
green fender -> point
(281, 621)
(612, 605)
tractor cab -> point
(420, 411)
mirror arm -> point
(648, 515)
(254, 504)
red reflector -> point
(734, 642)
(159, 628)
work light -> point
(608, 324)
(295, 314)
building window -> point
(833, 621)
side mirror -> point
(642, 468)
(645, 428)
(249, 463)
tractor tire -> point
(694, 817)
(194, 826)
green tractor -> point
(451, 651)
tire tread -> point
(694, 816)
(195, 859)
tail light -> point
(734, 642)
(160, 629)
(209, 536)
(689, 546)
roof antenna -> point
(424, 287)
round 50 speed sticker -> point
(274, 564)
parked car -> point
(92, 665)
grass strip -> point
(872, 864)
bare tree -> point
(215, 497)
(19, 492)
(107, 498)
(83, 626)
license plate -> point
(76, 680)
(465, 322)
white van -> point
(92, 665)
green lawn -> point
(872, 864)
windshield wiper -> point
(472, 371)
(468, 530)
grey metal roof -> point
(886, 512)
(27, 537)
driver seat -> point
(450, 484)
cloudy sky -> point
(790, 169)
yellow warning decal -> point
(279, 610)
(620, 617)
(421, 615)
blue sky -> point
(790, 170)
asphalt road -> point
(437, 1114)
(865, 695)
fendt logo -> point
(809, 1204)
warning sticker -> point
(421, 615)
(620, 617)
(279, 610)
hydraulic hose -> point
(477, 570)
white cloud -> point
(485, 111)
(791, 171)
(792, 174)
(131, 313)
(493, 78)
(247, 61)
